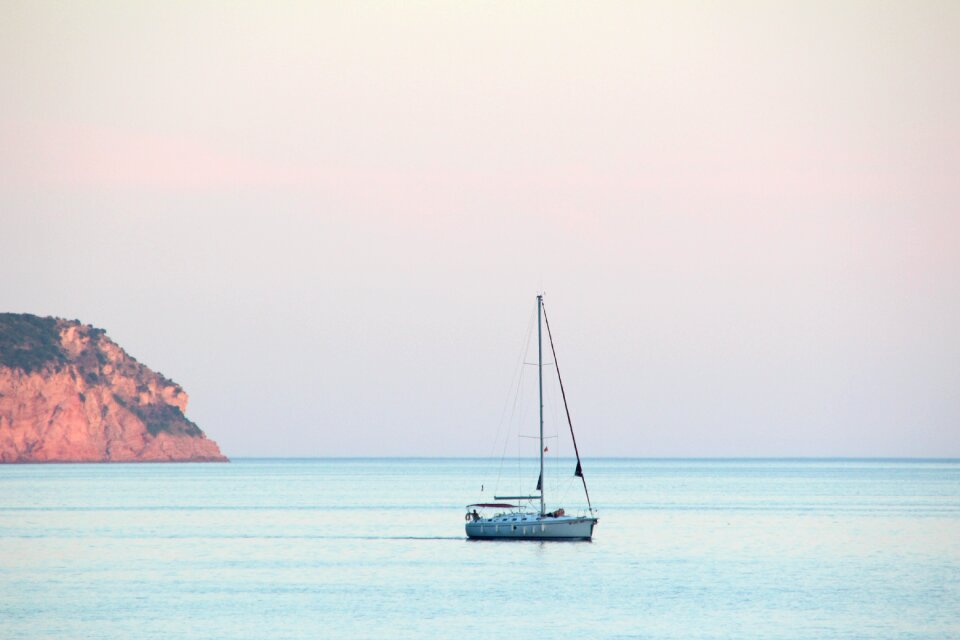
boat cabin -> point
(518, 514)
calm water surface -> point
(375, 548)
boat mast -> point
(540, 378)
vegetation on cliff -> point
(29, 342)
(161, 417)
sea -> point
(375, 548)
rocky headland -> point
(70, 394)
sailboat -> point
(519, 522)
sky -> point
(329, 221)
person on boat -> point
(475, 515)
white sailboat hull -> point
(562, 528)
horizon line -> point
(455, 457)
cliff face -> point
(69, 394)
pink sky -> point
(745, 216)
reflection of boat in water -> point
(519, 522)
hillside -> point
(70, 394)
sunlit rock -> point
(70, 394)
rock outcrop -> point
(70, 394)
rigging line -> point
(567, 408)
(516, 396)
(518, 416)
(552, 409)
(518, 376)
